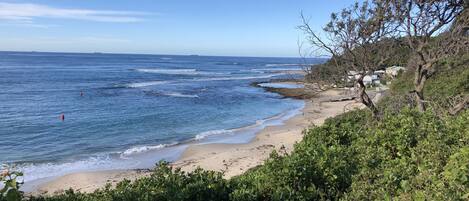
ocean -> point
(69, 112)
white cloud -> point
(26, 13)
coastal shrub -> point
(165, 183)
(320, 167)
(404, 157)
(9, 185)
(456, 175)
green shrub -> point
(10, 185)
(456, 175)
(165, 183)
(320, 167)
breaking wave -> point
(276, 69)
(205, 134)
(237, 78)
(272, 65)
(145, 84)
(254, 128)
(189, 71)
(142, 149)
(180, 95)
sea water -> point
(123, 111)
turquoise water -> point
(129, 111)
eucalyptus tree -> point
(355, 39)
(421, 21)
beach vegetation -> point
(10, 185)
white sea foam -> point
(205, 134)
(247, 131)
(141, 149)
(127, 159)
(237, 78)
(45, 170)
(168, 71)
(151, 83)
(282, 85)
(145, 84)
(180, 95)
(271, 65)
(275, 69)
(189, 71)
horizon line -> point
(159, 54)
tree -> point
(420, 21)
(351, 38)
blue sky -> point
(204, 27)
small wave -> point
(252, 129)
(142, 149)
(282, 85)
(238, 78)
(165, 58)
(168, 71)
(177, 71)
(272, 65)
(145, 84)
(173, 94)
(227, 63)
(46, 170)
(205, 134)
(275, 69)
(180, 95)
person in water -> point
(62, 117)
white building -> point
(367, 79)
(393, 71)
(371, 79)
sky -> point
(177, 27)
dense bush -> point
(10, 185)
(404, 157)
(165, 183)
(321, 167)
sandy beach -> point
(233, 159)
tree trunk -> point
(419, 84)
(364, 98)
(460, 106)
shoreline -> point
(232, 159)
(235, 159)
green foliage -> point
(456, 174)
(321, 167)
(452, 79)
(165, 183)
(10, 190)
(405, 155)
